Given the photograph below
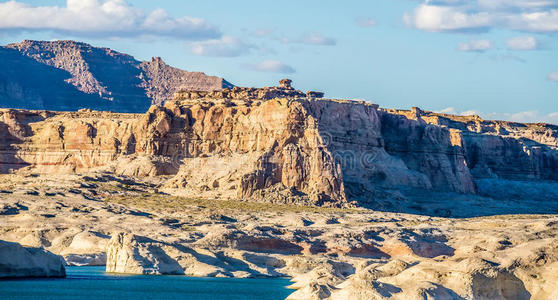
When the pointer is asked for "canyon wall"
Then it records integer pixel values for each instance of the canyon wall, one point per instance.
(500, 149)
(299, 150)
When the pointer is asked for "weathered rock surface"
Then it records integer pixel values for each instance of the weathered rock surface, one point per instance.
(245, 143)
(329, 253)
(139, 255)
(18, 261)
(68, 75)
(86, 248)
(500, 149)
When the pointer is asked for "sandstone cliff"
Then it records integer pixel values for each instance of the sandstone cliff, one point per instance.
(248, 144)
(68, 75)
(498, 148)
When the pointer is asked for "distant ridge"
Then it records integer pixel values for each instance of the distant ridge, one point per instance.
(70, 75)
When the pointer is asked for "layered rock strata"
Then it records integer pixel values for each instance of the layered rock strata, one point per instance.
(239, 144)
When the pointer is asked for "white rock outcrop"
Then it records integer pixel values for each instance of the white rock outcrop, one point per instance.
(128, 253)
(19, 261)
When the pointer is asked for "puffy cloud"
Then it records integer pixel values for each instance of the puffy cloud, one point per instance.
(476, 46)
(446, 18)
(366, 22)
(546, 21)
(226, 46)
(553, 76)
(312, 39)
(534, 116)
(481, 15)
(522, 43)
(271, 66)
(110, 18)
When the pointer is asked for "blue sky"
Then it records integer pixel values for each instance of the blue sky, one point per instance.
(497, 58)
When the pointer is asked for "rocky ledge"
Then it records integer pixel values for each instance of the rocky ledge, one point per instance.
(19, 261)
(284, 90)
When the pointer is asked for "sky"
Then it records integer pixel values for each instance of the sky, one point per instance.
(495, 58)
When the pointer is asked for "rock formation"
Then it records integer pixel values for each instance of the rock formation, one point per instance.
(139, 255)
(204, 184)
(499, 149)
(68, 75)
(276, 144)
(244, 93)
(18, 261)
(328, 253)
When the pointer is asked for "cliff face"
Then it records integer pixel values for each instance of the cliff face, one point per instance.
(296, 150)
(499, 149)
(68, 75)
(434, 151)
(63, 142)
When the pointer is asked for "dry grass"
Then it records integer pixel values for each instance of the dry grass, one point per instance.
(160, 202)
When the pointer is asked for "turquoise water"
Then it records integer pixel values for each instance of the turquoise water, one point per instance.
(94, 283)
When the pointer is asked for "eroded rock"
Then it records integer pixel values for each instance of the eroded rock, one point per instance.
(18, 261)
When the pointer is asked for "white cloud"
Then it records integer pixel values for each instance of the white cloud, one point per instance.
(108, 18)
(522, 43)
(446, 18)
(482, 15)
(271, 66)
(226, 46)
(534, 116)
(545, 21)
(553, 76)
(476, 46)
(366, 22)
(312, 39)
(525, 5)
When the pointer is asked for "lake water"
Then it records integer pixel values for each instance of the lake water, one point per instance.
(94, 283)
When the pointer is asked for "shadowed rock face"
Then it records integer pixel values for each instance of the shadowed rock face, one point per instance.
(18, 261)
(26, 83)
(499, 149)
(68, 75)
(284, 150)
(141, 255)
